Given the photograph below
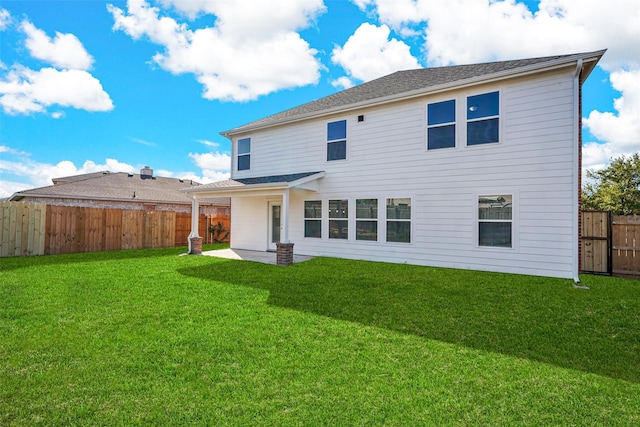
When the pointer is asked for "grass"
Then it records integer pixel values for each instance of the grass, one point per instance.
(153, 338)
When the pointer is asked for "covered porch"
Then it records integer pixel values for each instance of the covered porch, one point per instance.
(261, 204)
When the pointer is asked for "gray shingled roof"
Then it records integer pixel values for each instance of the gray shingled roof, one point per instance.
(402, 83)
(120, 187)
(241, 182)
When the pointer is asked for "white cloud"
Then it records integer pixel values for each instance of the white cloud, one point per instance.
(343, 82)
(208, 143)
(460, 31)
(252, 19)
(214, 166)
(143, 142)
(9, 150)
(252, 50)
(62, 51)
(25, 91)
(620, 130)
(5, 19)
(66, 84)
(369, 53)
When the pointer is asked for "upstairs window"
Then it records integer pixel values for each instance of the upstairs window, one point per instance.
(338, 219)
(483, 118)
(244, 154)
(399, 220)
(367, 219)
(495, 218)
(313, 218)
(441, 125)
(337, 140)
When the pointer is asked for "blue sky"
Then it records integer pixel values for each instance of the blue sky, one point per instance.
(91, 85)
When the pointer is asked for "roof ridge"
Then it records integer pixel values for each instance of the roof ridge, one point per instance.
(401, 82)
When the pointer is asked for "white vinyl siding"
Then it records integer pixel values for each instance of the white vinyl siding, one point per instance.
(387, 158)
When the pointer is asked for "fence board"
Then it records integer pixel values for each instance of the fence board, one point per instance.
(20, 225)
(132, 222)
(183, 228)
(595, 242)
(626, 245)
(4, 222)
(113, 230)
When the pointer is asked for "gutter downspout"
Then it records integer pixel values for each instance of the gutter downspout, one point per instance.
(576, 171)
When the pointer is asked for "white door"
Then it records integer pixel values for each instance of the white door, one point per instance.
(275, 224)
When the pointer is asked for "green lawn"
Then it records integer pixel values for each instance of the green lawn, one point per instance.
(153, 338)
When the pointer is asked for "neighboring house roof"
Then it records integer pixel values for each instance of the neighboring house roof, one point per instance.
(411, 83)
(119, 186)
(273, 182)
(73, 178)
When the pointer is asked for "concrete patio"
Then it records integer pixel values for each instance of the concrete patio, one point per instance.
(257, 256)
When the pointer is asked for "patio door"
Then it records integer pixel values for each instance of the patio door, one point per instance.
(275, 224)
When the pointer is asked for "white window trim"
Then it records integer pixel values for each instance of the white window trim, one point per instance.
(356, 219)
(321, 219)
(461, 121)
(349, 219)
(411, 220)
(500, 117)
(456, 100)
(515, 211)
(328, 141)
(237, 152)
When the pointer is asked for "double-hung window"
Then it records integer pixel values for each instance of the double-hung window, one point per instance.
(337, 140)
(313, 218)
(441, 125)
(244, 154)
(399, 220)
(339, 219)
(367, 219)
(483, 118)
(495, 221)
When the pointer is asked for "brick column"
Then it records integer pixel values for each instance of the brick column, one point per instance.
(196, 246)
(284, 253)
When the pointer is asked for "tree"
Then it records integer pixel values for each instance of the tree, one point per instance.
(615, 188)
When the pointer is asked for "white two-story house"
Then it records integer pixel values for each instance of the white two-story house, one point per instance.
(471, 166)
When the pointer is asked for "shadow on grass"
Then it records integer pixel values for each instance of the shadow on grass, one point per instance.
(540, 319)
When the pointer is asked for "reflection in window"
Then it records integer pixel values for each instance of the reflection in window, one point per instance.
(244, 154)
(495, 217)
(313, 218)
(483, 118)
(338, 219)
(337, 140)
(399, 220)
(367, 219)
(441, 123)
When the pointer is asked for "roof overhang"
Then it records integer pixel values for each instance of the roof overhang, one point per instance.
(255, 188)
(589, 61)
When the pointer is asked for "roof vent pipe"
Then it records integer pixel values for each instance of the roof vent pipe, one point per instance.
(146, 173)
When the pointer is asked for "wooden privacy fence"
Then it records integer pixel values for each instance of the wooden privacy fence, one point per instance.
(625, 253)
(610, 243)
(23, 229)
(38, 229)
(596, 242)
